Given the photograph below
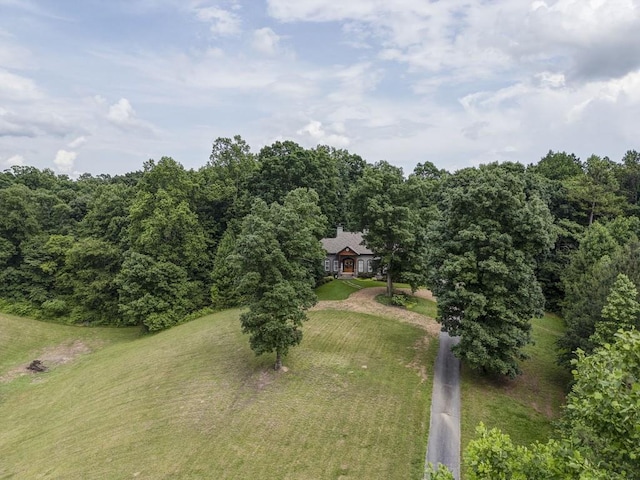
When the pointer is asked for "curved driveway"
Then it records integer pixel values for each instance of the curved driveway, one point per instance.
(444, 429)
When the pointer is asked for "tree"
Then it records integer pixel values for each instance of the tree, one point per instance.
(558, 166)
(387, 208)
(224, 281)
(598, 435)
(482, 263)
(620, 312)
(278, 254)
(153, 294)
(605, 251)
(595, 190)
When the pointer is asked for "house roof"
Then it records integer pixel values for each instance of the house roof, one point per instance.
(353, 240)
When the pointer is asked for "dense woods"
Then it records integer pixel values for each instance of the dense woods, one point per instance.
(155, 246)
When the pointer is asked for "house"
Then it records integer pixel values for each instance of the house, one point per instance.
(347, 256)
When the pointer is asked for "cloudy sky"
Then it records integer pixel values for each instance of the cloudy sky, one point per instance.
(101, 86)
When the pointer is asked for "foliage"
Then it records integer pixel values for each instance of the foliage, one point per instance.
(277, 258)
(598, 437)
(440, 473)
(482, 263)
(621, 311)
(224, 279)
(152, 293)
(388, 209)
(605, 251)
(603, 409)
(595, 191)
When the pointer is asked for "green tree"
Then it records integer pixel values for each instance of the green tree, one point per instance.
(89, 273)
(558, 166)
(621, 311)
(595, 190)
(153, 294)
(629, 178)
(278, 253)
(224, 278)
(482, 263)
(598, 436)
(387, 208)
(605, 251)
(285, 166)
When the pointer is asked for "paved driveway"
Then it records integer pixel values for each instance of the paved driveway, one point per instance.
(444, 429)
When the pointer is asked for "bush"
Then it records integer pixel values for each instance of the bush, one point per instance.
(399, 300)
(323, 280)
(54, 308)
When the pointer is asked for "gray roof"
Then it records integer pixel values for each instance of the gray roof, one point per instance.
(353, 240)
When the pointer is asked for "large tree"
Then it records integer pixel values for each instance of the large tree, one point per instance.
(492, 226)
(390, 211)
(278, 255)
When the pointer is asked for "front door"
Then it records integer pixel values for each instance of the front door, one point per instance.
(347, 266)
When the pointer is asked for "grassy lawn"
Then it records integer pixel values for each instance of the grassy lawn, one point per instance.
(525, 407)
(341, 289)
(419, 305)
(23, 340)
(194, 402)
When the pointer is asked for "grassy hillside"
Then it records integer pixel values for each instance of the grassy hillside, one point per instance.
(194, 402)
(526, 406)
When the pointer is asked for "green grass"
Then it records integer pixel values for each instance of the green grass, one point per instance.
(23, 340)
(525, 407)
(423, 306)
(194, 402)
(341, 289)
(419, 305)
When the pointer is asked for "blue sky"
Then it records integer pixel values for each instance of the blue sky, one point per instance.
(100, 87)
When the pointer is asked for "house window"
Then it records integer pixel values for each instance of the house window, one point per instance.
(369, 266)
(360, 266)
(327, 265)
(335, 265)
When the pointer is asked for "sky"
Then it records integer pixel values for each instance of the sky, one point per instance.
(102, 86)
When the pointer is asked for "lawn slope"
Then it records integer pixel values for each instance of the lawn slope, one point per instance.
(194, 402)
(526, 406)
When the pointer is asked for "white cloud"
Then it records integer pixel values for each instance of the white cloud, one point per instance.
(222, 22)
(265, 41)
(122, 115)
(65, 161)
(315, 131)
(15, 87)
(121, 112)
(78, 142)
(17, 160)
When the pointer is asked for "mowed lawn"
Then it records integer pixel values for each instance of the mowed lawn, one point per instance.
(194, 402)
(525, 407)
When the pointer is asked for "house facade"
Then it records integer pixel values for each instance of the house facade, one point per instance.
(347, 255)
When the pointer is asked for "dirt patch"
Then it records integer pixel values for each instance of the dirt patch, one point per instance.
(49, 358)
(417, 364)
(364, 301)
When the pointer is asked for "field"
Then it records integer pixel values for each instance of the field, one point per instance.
(194, 402)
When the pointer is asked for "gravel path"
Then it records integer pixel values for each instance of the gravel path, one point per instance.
(364, 301)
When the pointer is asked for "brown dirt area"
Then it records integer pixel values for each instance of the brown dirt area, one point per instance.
(50, 357)
(364, 301)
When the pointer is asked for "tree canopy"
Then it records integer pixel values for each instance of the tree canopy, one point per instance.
(277, 258)
(482, 263)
